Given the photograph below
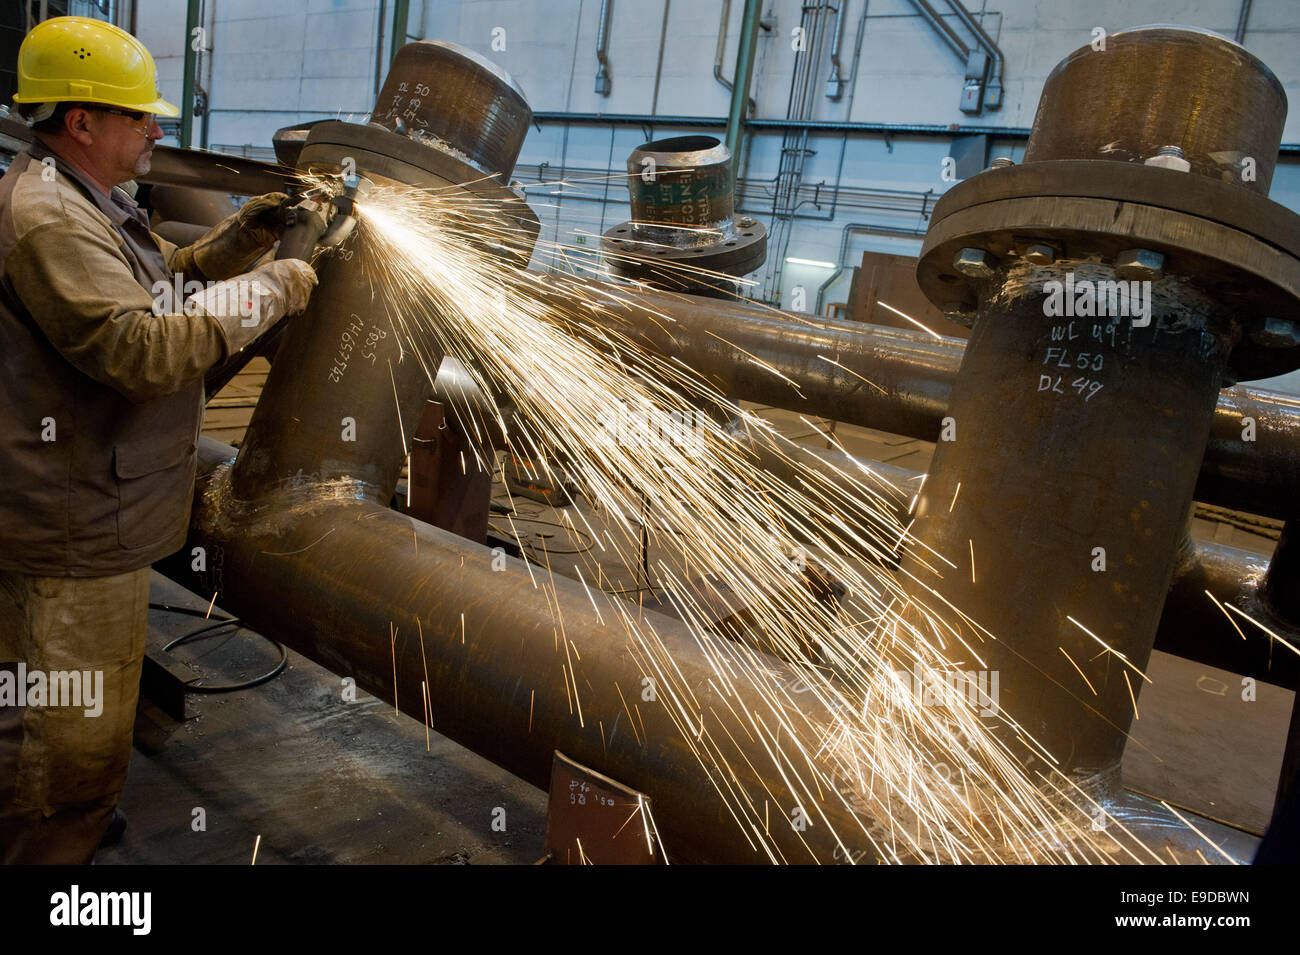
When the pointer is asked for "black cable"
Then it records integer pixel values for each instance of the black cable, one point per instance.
(220, 624)
(187, 610)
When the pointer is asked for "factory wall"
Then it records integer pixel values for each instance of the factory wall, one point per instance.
(277, 63)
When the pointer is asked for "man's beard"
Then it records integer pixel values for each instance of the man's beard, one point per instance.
(144, 162)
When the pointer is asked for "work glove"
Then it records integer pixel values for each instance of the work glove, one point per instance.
(236, 242)
(249, 305)
(262, 217)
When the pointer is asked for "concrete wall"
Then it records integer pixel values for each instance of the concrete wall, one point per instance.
(276, 63)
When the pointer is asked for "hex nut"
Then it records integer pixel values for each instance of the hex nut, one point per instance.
(1139, 264)
(975, 263)
(1169, 157)
(1277, 333)
(1040, 254)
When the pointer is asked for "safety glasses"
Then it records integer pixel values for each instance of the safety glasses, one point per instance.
(142, 130)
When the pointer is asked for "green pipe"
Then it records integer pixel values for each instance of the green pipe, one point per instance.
(187, 80)
(740, 85)
(401, 14)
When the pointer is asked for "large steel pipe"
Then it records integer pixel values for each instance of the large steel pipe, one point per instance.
(413, 613)
(515, 664)
(1047, 473)
(1154, 87)
(901, 381)
(344, 395)
(1065, 559)
(684, 227)
(1190, 625)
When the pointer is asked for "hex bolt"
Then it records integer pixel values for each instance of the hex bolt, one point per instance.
(746, 221)
(1040, 254)
(975, 263)
(1139, 264)
(1277, 333)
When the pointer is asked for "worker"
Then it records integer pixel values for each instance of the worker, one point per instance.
(101, 400)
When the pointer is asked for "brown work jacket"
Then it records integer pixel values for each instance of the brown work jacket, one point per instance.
(101, 399)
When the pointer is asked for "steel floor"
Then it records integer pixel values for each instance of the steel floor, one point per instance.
(320, 780)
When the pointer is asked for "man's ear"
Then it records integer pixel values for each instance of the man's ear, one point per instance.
(77, 126)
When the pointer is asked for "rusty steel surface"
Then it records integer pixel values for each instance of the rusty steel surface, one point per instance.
(1164, 86)
(449, 478)
(679, 189)
(455, 99)
(594, 820)
(1192, 627)
(1190, 624)
(1107, 432)
(729, 343)
(1252, 462)
(412, 612)
(1106, 411)
(322, 413)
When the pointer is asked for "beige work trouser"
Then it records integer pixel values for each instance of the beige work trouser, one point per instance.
(62, 770)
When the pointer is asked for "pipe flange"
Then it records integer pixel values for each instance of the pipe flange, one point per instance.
(634, 257)
(1240, 248)
(382, 152)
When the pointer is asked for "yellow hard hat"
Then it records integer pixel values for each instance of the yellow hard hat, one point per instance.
(78, 59)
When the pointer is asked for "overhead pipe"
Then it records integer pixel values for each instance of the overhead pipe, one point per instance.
(946, 33)
(746, 48)
(603, 84)
(401, 21)
(379, 44)
(835, 82)
(720, 53)
(1243, 16)
(841, 265)
(934, 130)
(184, 136)
(659, 61)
